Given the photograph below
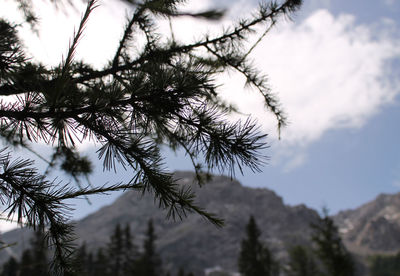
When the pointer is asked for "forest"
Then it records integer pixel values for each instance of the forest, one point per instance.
(325, 256)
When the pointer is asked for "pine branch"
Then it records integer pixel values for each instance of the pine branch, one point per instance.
(164, 94)
(77, 36)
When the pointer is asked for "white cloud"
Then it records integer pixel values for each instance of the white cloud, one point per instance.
(328, 72)
(5, 224)
(294, 162)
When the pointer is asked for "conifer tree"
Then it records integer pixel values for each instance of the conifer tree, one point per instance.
(161, 92)
(149, 263)
(39, 249)
(337, 261)
(26, 264)
(181, 272)
(130, 253)
(255, 258)
(10, 268)
(34, 260)
(101, 266)
(90, 265)
(302, 262)
(82, 263)
(116, 251)
(381, 265)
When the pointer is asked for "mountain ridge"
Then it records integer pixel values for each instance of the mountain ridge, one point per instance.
(196, 245)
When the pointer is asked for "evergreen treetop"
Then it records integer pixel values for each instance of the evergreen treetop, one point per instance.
(301, 262)
(255, 259)
(336, 260)
(162, 93)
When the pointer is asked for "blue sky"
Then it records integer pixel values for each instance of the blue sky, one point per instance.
(344, 164)
(336, 70)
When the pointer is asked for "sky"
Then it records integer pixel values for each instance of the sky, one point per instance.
(335, 68)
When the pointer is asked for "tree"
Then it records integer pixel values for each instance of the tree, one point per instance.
(121, 251)
(385, 265)
(34, 260)
(330, 249)
(83, 261)
(181, 272)
(115, 251)
(149, 263)
(10, 268)
(255, 259)
(130, 253)
(301, 262)
(101, 264)
(26, 265)
(162, 93)
(39, 249)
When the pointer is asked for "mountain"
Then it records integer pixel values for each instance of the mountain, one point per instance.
(373, 227)
(194, 243)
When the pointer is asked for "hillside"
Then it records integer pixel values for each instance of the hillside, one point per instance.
(373, 227)
(194, 243)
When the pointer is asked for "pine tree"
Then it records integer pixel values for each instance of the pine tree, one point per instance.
(116, 251)
(385, 265)
(130, 253)
(101, 264)
(39, 249)
(255, 258)
(162, 93)
(149, 263)
(81, 262)
(302, 262)
(337, 261)
(10, 268)
(34, 261)
(181, 272)
(90, 265)
(26, 264)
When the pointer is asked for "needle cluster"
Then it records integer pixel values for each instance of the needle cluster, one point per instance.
(160, 93)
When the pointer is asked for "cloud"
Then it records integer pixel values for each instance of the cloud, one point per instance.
(328, 72)
(5, 224)
(390, 2)
(294, 162)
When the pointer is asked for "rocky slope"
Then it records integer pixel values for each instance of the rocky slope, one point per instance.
(373, 227)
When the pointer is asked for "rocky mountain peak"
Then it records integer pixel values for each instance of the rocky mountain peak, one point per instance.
(373, 227)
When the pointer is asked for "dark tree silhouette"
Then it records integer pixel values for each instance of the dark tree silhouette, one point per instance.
(26, 265)
(255, 259)
(302, 262)
(83, 261)
(149, 263)
(162, 93)
(101, 264)
(337, 261)
(116, 251)
(122, 252)
(10, 268)
(382, 265)
(130, 252)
